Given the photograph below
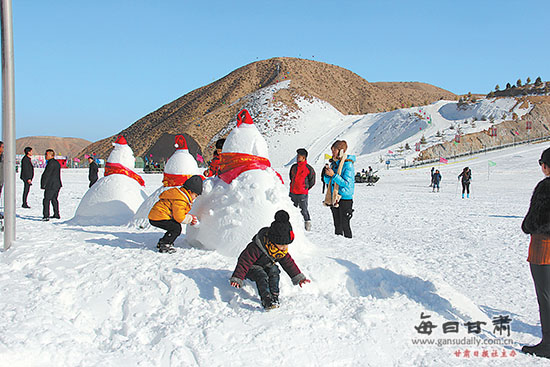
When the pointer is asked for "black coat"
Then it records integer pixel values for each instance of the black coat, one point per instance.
(51, 178)
(537, 220)
(27, 170)
(92, 174)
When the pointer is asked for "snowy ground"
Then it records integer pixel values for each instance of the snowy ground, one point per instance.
(90, 296)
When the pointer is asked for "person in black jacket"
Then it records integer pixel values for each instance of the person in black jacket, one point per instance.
(93, 170)
(537, 224)
(466, 178)
(51, 184)
(27, 174)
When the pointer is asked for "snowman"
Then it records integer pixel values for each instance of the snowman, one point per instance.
(114, 198)
(244, 196)
(178, 169)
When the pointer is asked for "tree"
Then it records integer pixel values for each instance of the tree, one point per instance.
(469, 95)
(423, 140)
(474, 99)
(518, 83)
(497, 87)
(407, 146)
(538, 82)
(491, 94)
(508, 86)
(528, 80)
(438, 134)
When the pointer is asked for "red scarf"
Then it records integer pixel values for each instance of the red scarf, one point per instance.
(170, 180)
(233, 164)
(119, 169)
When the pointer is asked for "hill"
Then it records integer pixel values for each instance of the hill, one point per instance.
(205, 112)
(62, 146)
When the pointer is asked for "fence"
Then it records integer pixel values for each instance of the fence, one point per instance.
(472, 152)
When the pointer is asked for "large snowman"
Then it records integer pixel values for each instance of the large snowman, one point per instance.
(244, 196)
(178, 169)
(114, 198)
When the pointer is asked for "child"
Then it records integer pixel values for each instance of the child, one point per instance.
(258, 261)
(172, 209)
(436, 180)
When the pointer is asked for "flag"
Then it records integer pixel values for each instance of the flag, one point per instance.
(492, 164)
(443, 160)
(455, 143)
(328, 156)
(390, 152)
(200, 158)
(76, 160)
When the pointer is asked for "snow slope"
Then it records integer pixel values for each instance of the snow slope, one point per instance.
(89, 296)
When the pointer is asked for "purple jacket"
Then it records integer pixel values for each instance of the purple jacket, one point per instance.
(256, 255)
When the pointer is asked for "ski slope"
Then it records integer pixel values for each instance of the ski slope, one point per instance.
(89, 296)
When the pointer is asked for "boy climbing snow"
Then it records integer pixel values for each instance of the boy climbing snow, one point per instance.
(258, 261)
(172, 209)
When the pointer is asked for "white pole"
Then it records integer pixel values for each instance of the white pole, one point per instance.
(8, 123)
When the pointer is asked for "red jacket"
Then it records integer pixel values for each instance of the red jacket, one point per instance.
(302, 178)
(214, 167)
(256, 255)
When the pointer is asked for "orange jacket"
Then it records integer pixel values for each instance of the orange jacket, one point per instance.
(173, 203)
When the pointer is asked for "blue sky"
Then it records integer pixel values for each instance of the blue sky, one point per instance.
(92, 68)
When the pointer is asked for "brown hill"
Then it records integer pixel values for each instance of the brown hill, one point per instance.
(62, 146)
(203, 112)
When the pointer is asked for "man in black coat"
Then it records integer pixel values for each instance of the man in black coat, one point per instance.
(27, 174)
(51, 184)
(94, 169)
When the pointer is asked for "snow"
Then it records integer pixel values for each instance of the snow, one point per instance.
(113, 199)
(87, 296)
(246, 139)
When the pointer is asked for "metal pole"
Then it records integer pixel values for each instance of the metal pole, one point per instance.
(8, 123)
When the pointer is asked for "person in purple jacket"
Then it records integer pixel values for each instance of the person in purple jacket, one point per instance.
(258, 261)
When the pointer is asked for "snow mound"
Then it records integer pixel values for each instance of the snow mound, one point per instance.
(231, 214)
(141, 218)
(112, 200)
(246, 139)
(181, 162)
(499, 109)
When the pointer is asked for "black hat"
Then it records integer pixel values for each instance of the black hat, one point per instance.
(194, 184)
(219, 143)
(280, 231)
(302, 152)
(545, 157)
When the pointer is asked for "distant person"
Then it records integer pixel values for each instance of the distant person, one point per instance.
(93, 170)
(432, 177)
(537, 224)
(436, 180)
(1, 166)
(466, 178)
(302, 179)
(27, 174)
(172, 210)
(340, 178)
(214, 166)
(50, 182)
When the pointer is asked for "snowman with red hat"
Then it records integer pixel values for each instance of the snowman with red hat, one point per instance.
(243, 197)
(180, 166)
(114, 198)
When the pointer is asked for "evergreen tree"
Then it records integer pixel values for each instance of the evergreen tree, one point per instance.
(538, 82)
(407, 146)
(423, 140)
(518, 83)
(508, 86)
(528, 80)
(497, 87)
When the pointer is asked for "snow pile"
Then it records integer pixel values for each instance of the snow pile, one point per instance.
(179, 167)
(485, 109)
(113, 199)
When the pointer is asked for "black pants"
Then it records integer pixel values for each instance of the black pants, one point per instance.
(342, 216)
(50, 196)
(267, 279)
(26, 188)
(92, 182)
(300, 201)
(541, 278)
(172, 228)
(466, 188)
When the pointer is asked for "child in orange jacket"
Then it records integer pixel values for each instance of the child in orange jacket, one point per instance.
(172, 209)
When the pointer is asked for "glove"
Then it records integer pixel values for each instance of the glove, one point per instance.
(304, 281)
(235, 284)
(195, 220)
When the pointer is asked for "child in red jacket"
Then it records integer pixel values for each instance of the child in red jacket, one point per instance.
(258, 261)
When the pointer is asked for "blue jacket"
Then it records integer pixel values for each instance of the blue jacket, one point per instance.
(346, 181)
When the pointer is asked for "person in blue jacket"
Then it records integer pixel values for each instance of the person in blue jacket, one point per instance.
(341, 201)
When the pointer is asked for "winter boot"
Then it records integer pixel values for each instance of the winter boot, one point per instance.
(275, 299)
(468, 196)
(308, 225)
(267, 302)
(166, 248)
(541, 349)
(463, 196)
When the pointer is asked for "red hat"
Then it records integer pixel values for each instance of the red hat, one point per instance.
(120, 140)
(180, 142)
(244, 117)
